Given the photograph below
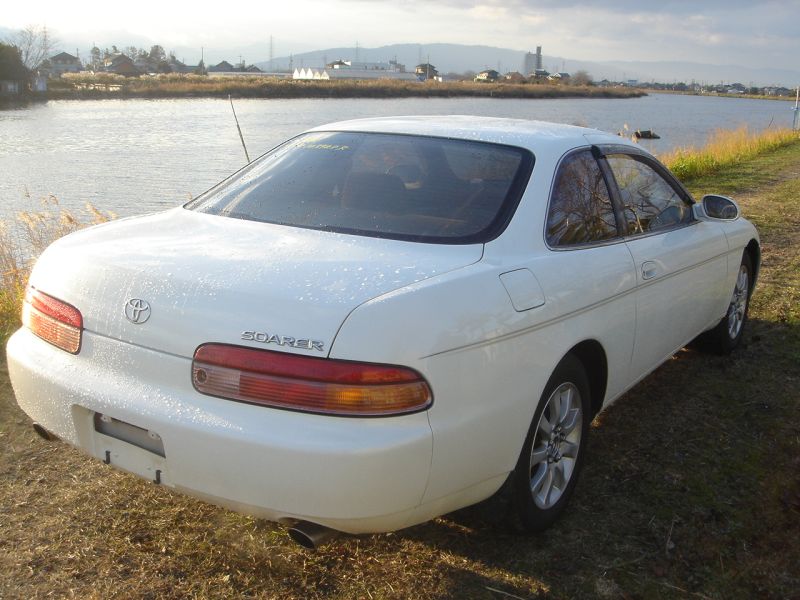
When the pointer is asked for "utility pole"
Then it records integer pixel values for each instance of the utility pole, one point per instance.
(271, 49)
(796, 109)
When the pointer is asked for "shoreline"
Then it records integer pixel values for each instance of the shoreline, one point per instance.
(96, 88)
(736, 96)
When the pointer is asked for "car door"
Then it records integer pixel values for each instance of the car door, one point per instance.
(590, 274)
(680, 262)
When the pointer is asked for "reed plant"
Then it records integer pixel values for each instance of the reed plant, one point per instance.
(24, 239)
(82, 85)
(725, 148)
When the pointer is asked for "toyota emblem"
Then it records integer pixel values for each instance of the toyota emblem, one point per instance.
(137, 311)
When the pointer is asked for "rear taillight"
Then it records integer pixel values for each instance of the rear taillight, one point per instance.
(319, 385)
(54, 321)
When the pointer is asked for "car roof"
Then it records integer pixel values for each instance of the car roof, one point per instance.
(537, 136)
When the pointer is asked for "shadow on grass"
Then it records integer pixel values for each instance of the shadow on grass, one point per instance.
(690, 486)
(676, 471)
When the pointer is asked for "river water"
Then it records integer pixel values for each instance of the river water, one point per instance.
(137, 156)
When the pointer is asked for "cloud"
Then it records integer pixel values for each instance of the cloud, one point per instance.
(754, 34)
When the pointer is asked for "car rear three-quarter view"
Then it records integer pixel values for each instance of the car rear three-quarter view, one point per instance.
(380, 321)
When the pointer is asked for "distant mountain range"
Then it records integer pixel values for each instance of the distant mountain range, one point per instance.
(460, 58)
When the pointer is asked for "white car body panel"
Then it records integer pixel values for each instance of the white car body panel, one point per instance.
(254, 276)
(484, 324)
(217, 449)
(688, 268)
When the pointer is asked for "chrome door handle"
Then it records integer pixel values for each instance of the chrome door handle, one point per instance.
(649, 269)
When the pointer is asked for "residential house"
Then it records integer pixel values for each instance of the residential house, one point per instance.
(223, 67)
(120, 64)
(426, 71)
(226, 69)
(557, 77)
(64, 62)
(487, 76)
(515, 77)
(145, 64)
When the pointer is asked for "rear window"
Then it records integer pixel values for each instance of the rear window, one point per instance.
(395, 186)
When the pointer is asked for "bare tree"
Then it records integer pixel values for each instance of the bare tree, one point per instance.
(35, 45)
(581, 78)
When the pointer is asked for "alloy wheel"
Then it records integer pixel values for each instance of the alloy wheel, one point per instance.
(556, 445)
(738, 305)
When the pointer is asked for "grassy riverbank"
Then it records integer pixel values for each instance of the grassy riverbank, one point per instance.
(790, 98)
(691, 488)
(79, 86)
(726, 148)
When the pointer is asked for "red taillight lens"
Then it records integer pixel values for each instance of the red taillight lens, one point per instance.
(319, 385)
(54, 321)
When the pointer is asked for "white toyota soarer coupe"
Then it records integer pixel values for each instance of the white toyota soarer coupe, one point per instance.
(381, 320)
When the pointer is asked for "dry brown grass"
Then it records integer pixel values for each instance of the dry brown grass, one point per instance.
(23, 239)
(691, 489)
(163, 86)
(725, 148)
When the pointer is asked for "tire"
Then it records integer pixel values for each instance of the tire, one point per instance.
(551, 457)
(727, 334)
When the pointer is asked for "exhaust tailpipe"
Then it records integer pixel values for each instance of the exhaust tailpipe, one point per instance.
(311, 535)
(44, 434)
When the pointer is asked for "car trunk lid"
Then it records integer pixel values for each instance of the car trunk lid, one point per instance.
(191, 278)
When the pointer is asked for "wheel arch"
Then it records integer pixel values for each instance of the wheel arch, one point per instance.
(753, 249)
(593, 358)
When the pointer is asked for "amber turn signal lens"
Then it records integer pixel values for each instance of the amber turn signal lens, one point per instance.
(319, 385)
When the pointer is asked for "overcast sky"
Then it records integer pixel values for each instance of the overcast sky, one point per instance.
(748, 33)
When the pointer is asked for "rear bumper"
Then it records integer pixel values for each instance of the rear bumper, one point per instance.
(354, 475)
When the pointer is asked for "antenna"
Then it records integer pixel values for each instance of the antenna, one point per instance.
(356, 51)
(241, 137)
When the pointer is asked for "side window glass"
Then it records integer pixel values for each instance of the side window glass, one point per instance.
(580, 207)
(649, 202)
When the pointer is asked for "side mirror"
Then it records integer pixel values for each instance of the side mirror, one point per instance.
(717, 207)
